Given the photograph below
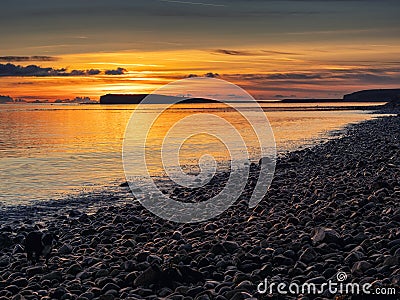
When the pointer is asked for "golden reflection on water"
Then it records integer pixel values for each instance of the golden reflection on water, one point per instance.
(198, 139)
(51, 149)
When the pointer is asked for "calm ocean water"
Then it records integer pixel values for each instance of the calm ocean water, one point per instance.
(50, 150)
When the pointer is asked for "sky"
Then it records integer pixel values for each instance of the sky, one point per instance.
(52, 49)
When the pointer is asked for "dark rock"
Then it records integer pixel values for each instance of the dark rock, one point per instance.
(74, 269)
(88, 231)
(177, 235)
(283, 260)
(191, 275)
(18, 249)
(55, 275)
(4, 261)
(308, 255)
(107, 297)
(353, 257)
(65, 249)
(59, 292)
(148, 276)
(325, 235)
(391, 261)
(5, 240)
(21, 282)
(110, 286)
(130, 278)
(231, 246)
(317, 280)
(83, 275)
(246, 285)
(164, 292)
(73, 213)
(218, 249)
(86, 295)
(194, 291)
(202, 297)
(101, 273)
(34, 271)
(117, 220)
(13, 289)
(360, 267)
(239, 295)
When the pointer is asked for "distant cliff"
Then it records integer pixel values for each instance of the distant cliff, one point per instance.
(137, 98)
(373, 95)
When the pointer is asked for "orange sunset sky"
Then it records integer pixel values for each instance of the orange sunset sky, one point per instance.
(273, 49)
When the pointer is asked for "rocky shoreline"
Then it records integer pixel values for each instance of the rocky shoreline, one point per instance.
(331, 208)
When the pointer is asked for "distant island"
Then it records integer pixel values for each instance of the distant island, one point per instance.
(372, 95)
(6, 99)
(375, 95)
(155, 99)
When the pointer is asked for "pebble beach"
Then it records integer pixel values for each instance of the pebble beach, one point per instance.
(331, 208)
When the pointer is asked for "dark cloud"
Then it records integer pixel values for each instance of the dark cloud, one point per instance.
(251, 52)
(193, 3)
(285, 96)
(368, 75)
(279, 76)
(27, 58)
(93, 72)
(234, 52)
(25, 83)
(31, 70)
(288, 85)
(279, 52)
(209, 75)
(118, 71)
(292, 76)
(84, 72)
(10, 70)
(77, 73)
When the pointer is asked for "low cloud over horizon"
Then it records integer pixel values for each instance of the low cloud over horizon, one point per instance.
(11, 70)
(251, 52)
(118, 71)
(27, 58)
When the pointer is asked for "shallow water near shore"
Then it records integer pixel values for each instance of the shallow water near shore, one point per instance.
(49, 151)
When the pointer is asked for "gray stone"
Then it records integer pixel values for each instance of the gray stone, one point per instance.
(308, 255)
(65, 249)
(110, 286)
(74, 269)
(149, 276)
(325, 235)
(55, 275)
(360, 267)
(34, 271)
(391, 261)
(4, 261)
(231, 246)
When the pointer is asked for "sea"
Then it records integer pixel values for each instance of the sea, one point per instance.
(51, 151)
